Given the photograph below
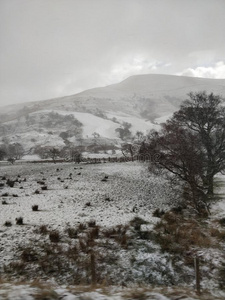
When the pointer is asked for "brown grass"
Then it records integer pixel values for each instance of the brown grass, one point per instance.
(46, 294)
(178, 235)
(219, 234)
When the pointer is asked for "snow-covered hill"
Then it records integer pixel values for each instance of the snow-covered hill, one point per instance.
(142, 100)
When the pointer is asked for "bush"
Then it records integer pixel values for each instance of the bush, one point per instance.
(43, 229)
(54, 236)
(29, 255)
(72, 232)
(35, 207)
(19, 221)
(5, 195)
(177, 235)
(8, 223)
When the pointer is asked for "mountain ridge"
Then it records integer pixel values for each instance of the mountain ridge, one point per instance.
(128, 79)
(140, 100)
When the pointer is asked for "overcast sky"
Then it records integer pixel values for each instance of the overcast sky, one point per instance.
(52, 48)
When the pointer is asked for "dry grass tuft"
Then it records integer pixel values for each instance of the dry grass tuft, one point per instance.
(54, 236)
(46, 294)
(72, 232)
(43, 229)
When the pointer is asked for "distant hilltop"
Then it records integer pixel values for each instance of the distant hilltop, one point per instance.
(143, 101)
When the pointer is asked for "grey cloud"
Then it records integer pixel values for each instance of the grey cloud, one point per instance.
(51, 48)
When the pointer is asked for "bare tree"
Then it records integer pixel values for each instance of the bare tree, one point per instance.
(191, 144)
(204, 115)
(181, 154)
(53, 153)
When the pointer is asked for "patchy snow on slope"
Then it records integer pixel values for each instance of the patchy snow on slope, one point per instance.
(92, 123)
(138, 124)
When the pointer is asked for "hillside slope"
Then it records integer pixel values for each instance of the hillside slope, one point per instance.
(141, 100)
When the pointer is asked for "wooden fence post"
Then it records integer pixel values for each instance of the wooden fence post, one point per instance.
(197, 274)
(93, 268)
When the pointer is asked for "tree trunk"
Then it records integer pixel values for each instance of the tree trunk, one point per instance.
(210, 185)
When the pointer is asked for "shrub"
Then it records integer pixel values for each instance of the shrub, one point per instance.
(177, 235)
(35, 207)
(29, 255)
(8, 223)
(92, 223)
(82, 226)
(54, 236)
(4, 202)
(43, 229)
(10, 183)
(5, 195)
(19, 221)
(107, 199)
(15, 266)
(72, 232)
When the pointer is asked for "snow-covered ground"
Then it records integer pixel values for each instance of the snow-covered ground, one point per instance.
(50, 291)
(129, 184)
(75, 195)
(129, 191)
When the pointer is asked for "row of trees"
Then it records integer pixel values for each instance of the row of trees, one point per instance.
(70, 153)
(191, 145)
(11, 152)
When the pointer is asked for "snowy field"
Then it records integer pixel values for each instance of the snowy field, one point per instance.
(69, 196)
(128, 190)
